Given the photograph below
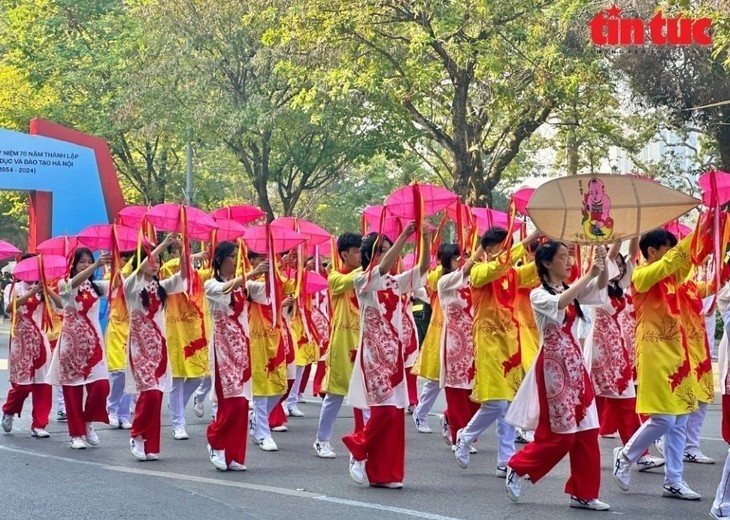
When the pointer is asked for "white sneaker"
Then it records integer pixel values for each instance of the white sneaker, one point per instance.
(621, 469)
(421, 425)
(294, 411)
(513, 484)
(179, 433)
(280, 429)
(445, 430)
(593, 505)
(153, 456)
(124, 424)
(324, 449)
(91, 437)
(136, 445)
(680, 490)
(39, 433)
(647, 462)
(697, 457)
(77, 443)
(268, 444)
(473, 449)
(411, 408)
(717, 514)
(462, 450)
(357, 470)
(114, 421)
(198, 408)
(235, 466)
(524, 436)
(300, 398)
(388, 485)
(7, 423)
(218, 458)
(501, 472)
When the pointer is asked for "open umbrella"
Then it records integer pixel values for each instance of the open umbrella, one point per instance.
(63, 245)
(132, 216)
(596, 209)
(40, 267)
(678, 229)
(282, 239)
(8, 250)
(178, 218)
(404, 202)
(521, 198)
(242, 214)
(109, 237)
(314, 233)
(316, 282)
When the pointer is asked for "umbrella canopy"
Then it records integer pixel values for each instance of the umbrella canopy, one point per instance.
(242, 214)
(8, 250)
(521, 198)
(283, 240)
(29, 270)
(132, 216)
(715, 183)
(178, 218)
(226, 230)
(595, 209)
(63, 245)
(107, 236)
(314, 233)
(404, 201)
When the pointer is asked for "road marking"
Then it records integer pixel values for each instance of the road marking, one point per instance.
(240, 485)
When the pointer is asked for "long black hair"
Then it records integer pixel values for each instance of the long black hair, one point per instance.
(222, 251)
(545, 253)
(446, 254)
(78, 255)
(144, 295)
(368, 248)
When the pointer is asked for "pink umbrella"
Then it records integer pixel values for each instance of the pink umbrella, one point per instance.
(8, 250)
(715, 183)
(242, 214)
(227, 230)
(172, 217)
(106, 236)
(404, 201)
(314, 233)
(521, 197)
(316, 282)
(487, 218)
(392, 226)
(132, 216)
(63, 245)
(678, 229)
(283, 239)
(29, 270)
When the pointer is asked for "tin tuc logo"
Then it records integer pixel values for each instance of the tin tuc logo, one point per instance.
(608, 27)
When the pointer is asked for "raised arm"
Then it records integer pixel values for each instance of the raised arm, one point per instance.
(425, 256)
(389, 258)
(55, 298)
(466, 271)
(20, 300)
(169, 239)
(84, 275)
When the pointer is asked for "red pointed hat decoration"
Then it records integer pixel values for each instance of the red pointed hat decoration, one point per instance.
(242, 214)
(8, 250)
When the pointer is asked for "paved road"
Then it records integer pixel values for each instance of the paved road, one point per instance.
(46, 479)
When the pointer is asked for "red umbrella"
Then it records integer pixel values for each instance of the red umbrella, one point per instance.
(132, 216)
(8, 250)
(110, 237)
(314, 233)
(178, 218)
(63, 245)
(29, 270)
(242, 214)
(283, 239)
(521, 197)
(404, 202)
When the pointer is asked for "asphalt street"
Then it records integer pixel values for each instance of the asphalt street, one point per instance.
(44, 478)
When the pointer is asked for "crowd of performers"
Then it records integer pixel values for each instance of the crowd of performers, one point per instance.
(519, 337)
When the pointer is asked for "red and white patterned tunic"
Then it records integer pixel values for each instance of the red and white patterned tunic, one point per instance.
(378, 377)
(30, 352)
(79, 357)
(230, 342)
(149, 362)
(457, 337)
(567, 386)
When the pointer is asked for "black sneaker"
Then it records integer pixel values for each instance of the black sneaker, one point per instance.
(61, 417)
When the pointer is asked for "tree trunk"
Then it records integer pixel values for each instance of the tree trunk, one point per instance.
(571, 152)
(722, 136)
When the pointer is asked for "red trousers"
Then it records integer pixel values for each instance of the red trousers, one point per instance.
(382, 443)
(621, 414)
(277, 417)
(228, 431)
(147, 422)
(318, 378)
(539, 457)
(359, 420)
(411, 383)
(460, 409)
(80, 413)
(42, 398)
(726, 418)
(305, 379)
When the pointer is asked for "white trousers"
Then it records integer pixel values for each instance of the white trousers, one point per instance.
(259, 418)
(429, 394)
(674, 430)
(182, 390)
(488, 413)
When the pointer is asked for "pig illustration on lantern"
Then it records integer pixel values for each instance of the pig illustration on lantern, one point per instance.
(597, 221)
